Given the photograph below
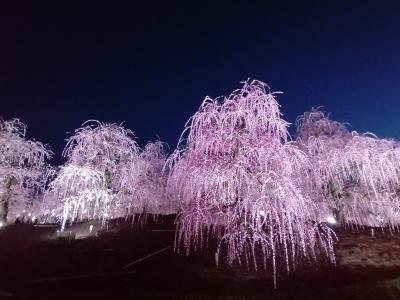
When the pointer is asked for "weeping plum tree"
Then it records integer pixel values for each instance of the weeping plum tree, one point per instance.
(106, 175)
(102, 164)
(357, 175)
(315, 134)
(23, 168)
(239, 180)
(148, 195)
(154, 180)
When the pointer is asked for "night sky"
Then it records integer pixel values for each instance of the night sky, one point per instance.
(152, 65)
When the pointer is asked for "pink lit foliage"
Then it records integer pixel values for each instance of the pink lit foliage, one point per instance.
(154, 181)
(238, 179)
(105, 175)
(355, 175)
(23, 169)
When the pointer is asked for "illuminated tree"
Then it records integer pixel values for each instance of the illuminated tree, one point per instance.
(108, 176)
(84, 194)
(23, 168)
(357, 175)
(239, 180)
(148, 195)
(103, 166)
(154, 183)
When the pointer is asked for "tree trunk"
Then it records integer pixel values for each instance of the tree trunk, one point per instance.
(339, 212)
(339, 206)
(5, 199)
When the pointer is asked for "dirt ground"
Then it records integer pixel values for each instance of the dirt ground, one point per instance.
(36, 263)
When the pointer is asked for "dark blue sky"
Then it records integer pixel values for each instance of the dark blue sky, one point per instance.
(151, 65)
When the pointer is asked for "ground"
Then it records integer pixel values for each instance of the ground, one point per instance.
(36, 263)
